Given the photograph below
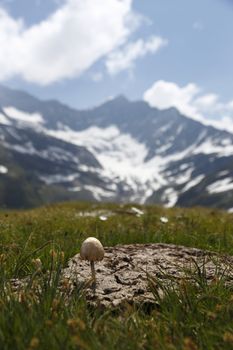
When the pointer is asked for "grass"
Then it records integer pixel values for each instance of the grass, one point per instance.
(189, 317)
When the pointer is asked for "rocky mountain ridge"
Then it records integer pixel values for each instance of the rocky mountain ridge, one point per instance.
(119, 151)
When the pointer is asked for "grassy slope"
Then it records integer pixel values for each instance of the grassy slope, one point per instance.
(192, 317)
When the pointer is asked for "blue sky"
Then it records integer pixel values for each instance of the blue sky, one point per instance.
(82, 52)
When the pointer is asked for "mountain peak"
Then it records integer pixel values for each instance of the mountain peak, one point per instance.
(119, 99)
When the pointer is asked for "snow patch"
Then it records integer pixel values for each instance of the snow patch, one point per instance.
(75, 189)
(223, 173)
(122, 159)
(164, 148)
(184, 166)
(3, 169)
(170, 197)
(116, 151)
(16, 114)
(98, 192)
(4, 120)
(193, 183)
(221, 186)
(209, 147)
(54, 179)
(184, 177)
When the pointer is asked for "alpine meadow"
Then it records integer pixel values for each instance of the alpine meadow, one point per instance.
(116, 175)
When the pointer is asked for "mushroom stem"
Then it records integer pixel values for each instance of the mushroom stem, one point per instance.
(92, 270)
(93, 275)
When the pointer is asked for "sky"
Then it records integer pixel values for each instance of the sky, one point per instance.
(83, 52)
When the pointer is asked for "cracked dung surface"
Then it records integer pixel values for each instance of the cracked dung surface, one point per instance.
(123, 274)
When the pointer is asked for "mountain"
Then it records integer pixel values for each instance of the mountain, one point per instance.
(119, 151)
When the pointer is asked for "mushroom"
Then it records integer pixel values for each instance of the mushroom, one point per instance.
(92, 250)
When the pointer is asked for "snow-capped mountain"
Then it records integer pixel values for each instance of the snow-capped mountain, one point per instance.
(119, 151)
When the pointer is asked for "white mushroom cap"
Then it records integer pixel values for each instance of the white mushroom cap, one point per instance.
(92, 250)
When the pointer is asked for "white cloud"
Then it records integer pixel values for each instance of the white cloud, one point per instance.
(190, 101)
(165, 94)
(124, 58)
(65, 44)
